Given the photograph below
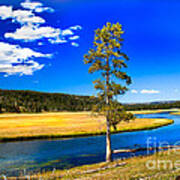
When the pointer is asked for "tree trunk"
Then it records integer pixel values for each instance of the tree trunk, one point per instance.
(108, 132)
(108, 142)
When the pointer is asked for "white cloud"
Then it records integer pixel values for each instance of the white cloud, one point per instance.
(42, 9)
(30, 29)
(134, 91)
(21, 13)
(57, 40)
(74, 37)
(36, 6)
(77, 27)
(22, 69)
(31, 5)
(15, 54)
(67, 32)
(17, 60)
(40, 43)
(31, 33)
(5, 12)
(151, 91)
(75, 44)
(30, 19)
(20, 16)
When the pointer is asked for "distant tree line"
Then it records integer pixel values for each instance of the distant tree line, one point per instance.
(20, 101)
(31, 101)
(150, 106)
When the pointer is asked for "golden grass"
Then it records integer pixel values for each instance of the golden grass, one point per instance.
(48, 125)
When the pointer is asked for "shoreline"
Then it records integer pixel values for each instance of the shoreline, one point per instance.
(146, 111)
(131, 168)
(155, 111)
(175, 113)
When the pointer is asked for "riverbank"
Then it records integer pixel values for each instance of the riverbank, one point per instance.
(16, 127)
(162, 165)
(155, 111)
(175, 113)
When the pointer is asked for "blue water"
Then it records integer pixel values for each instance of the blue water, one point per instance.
(17, 158)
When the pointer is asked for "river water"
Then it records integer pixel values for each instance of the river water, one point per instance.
(19, 158)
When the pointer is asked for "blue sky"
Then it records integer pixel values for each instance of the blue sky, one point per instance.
(42, 44)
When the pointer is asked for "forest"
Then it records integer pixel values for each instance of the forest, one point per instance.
(153, 105)
(22, 101)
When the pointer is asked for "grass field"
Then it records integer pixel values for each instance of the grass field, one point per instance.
(164, 165)
(52, 125)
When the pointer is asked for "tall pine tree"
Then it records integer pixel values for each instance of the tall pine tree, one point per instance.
(107, 58)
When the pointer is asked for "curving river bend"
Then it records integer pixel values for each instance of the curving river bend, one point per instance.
(18, 158)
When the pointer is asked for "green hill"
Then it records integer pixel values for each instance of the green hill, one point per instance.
(32, 101)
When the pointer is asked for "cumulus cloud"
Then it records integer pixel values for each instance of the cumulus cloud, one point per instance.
(75, 44)
(17, 60)
(31, 5)
(30, 29)
(36, 6)
(74, 37)
(77, 27)
(42, 9)
(15, 54)
(20, 16)
(67, 32)
(57, 40)
(5, 12)
(22, 69)
(31, 33)
(26, 19)
(134, 91)
(149, 91)
(40, 43)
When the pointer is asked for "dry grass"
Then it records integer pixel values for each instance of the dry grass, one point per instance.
(31, 126)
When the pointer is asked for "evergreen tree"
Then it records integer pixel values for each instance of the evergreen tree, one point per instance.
(107, 58)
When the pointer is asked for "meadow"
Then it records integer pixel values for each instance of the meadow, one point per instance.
(65, 124)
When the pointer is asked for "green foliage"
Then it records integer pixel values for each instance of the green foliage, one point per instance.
(117, 113)
(151, 106)
(31, 101)
(107, 58)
